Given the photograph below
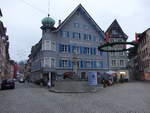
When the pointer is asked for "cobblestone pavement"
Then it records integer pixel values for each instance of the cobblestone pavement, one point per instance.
(121, 98)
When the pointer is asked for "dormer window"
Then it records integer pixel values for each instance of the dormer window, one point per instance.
(114, 32)
(76, 25)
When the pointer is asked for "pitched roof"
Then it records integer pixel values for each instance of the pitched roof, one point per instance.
(141, 35)
(36, 48)
(146, 30)
(86, 13)
(115, 24)
(2, 29)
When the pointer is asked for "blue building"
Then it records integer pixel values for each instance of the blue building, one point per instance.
(70, 47)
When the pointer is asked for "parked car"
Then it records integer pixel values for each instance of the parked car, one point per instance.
(14, 79)
(21, 80)
(7, 84)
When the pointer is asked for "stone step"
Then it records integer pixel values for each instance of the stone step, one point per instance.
(72, 86)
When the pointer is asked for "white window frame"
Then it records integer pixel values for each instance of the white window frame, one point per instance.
(87, 50)
(87, 37)
(65, 34)
(98, 64)
(65, 48)
(77, 35)
(121, 53)
(121, 63)
(88, 64)
(76, 49)
(112, 53)
(53, 64)
(53, 45)
(47, 62)
(65, 62)
(47, 45)
(114, 32)
(114, 63)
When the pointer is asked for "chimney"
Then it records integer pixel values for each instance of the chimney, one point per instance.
(59, 22)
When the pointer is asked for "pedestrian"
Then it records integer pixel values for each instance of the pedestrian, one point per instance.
(121, 79)
(115, 79)
(104, 82)
(49, 84)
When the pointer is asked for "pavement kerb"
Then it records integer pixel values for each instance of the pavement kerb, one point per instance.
(58, 91)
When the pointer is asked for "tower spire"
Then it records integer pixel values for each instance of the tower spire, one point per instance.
(48, 8)
(48, 22)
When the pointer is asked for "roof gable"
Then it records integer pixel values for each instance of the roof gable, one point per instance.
(86, 14)
(115, 24)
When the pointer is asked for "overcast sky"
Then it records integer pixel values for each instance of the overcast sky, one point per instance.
(23, 21)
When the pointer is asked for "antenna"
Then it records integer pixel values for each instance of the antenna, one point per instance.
(48, 7)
